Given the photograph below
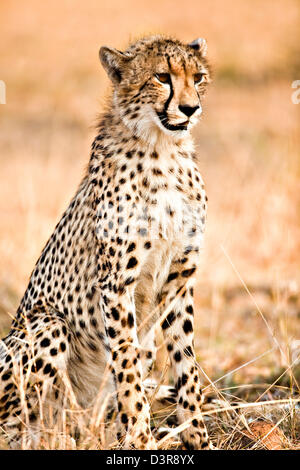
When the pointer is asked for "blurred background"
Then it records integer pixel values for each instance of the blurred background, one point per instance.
(247, 297)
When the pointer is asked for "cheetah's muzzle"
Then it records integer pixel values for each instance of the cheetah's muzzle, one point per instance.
(171, 127)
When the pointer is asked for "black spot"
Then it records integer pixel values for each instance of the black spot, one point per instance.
(139, 406)
(124, 363)
(184, 379)
(130, 378)
(129, 281)
(131, 263)
(47, 369)
(32, 417)
(177, 356)
(131, 247)
(172, 276)
(189, 309)
(130, 320)
(115, 313)
(24, 359)
(188, 326)
(91, 310)
(39, 364)
(188, 272)
(111, 332)
(112, 251)
(188, 351)
(56, 333)
(8, 387)
(45, 342)
(120, 377)
(168, 321)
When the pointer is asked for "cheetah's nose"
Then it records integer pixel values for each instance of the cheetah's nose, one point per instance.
(188, 110)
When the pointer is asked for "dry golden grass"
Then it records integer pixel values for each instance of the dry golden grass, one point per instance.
(248, 295)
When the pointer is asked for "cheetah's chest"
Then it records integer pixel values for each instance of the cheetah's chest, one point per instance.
(172, 204)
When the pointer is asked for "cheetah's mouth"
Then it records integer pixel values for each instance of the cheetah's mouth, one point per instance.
(171, 127)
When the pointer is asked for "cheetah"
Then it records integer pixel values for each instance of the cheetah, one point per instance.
(123, 257)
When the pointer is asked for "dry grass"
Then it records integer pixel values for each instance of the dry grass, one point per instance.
(248, 295)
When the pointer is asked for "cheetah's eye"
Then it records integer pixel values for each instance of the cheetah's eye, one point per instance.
(163, 77)
(198, 78)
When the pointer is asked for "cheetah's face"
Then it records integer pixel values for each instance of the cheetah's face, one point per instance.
(158, 84)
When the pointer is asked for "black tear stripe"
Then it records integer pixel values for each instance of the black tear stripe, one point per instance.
(163, 114)
(171, 90)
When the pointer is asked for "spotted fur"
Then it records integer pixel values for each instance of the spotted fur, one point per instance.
(127, 245)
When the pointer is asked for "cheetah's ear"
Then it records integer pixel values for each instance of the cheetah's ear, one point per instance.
(199, 45)
(114, 62)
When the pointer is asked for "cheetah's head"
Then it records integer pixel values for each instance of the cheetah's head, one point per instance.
(158, 84)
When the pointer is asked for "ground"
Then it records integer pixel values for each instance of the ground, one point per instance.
(248, 291)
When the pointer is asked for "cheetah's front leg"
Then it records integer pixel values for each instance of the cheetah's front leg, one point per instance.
(120, 323)
(178, 330)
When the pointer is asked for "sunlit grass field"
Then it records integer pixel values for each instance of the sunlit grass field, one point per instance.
(248, 292)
